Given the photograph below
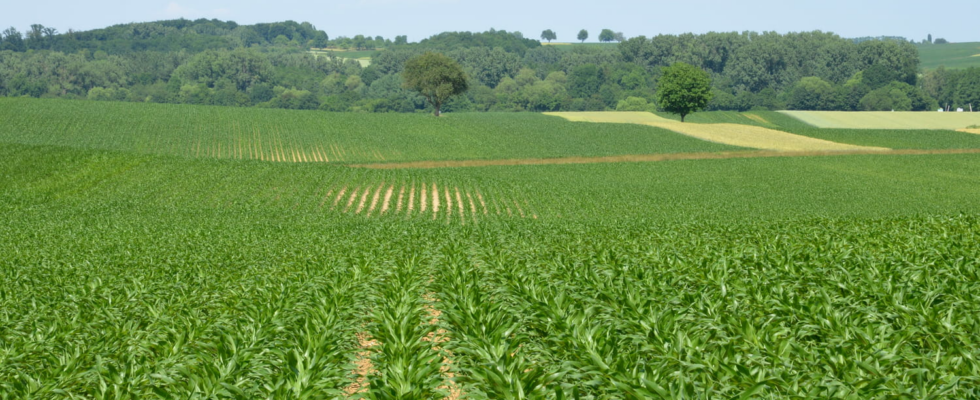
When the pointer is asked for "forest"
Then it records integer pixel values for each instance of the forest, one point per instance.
(213, 62)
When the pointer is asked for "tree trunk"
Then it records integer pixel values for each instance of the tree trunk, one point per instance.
(437, 107)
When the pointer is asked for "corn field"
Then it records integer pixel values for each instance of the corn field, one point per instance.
(127, 275)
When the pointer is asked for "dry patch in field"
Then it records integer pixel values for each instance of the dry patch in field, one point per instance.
(756, 118)
(441, 336)
(731, 134)
(430, 200)
(970, 130)
(887, 119)
(363, 367)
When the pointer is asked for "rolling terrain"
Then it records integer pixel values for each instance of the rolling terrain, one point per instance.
(137, 267)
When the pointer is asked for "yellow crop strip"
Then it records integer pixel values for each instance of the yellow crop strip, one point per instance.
(731, 134)
(887, 119)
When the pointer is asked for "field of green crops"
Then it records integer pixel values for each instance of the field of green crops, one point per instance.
(950, 55)
(298, 136)
(134, 272)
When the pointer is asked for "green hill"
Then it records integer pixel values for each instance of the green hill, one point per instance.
(950, 55)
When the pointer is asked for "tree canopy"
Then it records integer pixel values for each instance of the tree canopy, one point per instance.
(436, 77)
(683, 89)
(548, 35)
(582, 35)
(607, 35)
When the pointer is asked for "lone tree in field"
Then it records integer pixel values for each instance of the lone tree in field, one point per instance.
(683, 89)
(582, 35)
(436, 77)
(607, 35)
(548, 35)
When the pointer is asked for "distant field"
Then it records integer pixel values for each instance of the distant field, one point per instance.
(743, 135)
(316, 136)
(887, 120)
(362, 57)
(952, 55)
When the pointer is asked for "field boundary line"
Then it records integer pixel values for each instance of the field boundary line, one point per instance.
(653, 158)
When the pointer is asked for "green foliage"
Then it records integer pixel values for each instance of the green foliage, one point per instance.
(633, 104)
(683, 89)
(607, 35)
(548, 35)
(582, 35)
(436, 77)
(812, 93)
(123, 278)
(888, 98)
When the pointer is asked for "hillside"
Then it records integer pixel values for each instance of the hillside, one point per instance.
(950, 55)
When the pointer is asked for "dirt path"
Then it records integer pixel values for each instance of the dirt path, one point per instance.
(654, 157)
(363, 365)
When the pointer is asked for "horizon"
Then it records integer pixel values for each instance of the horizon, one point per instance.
(420, 19)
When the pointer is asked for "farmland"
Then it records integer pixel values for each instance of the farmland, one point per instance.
(950, 55)
(277, 135)
(887, 120)
(135, 267)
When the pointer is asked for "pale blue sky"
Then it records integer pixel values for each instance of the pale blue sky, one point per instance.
(955, 21)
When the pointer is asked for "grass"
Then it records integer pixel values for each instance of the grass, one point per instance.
(951, 56)
(285, 135)
(132, 274)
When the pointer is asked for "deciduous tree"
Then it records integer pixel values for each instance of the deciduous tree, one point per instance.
(436, 77)
(683, 89)
(582, 35)
(607, 35)
(548, 35)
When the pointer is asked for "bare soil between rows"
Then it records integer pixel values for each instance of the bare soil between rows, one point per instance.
(654, 158)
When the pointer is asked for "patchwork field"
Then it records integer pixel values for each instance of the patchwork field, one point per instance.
(887, 120)
(135, 267)
(731, 134)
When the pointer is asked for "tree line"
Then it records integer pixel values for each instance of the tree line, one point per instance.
(267, 65)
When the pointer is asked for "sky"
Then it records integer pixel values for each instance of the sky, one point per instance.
(419, 19)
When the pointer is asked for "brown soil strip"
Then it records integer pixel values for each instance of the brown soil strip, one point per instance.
(424, 198)
(387, 201)
(459, 205)
(339, 196)
(449, 203)
(363, 202)
(363, 366)
(350, 201)
(325, 197)
(472, 205)
(435, 200)
(401, 196)
(437, 337)
(519, 209)
(656, 157)
(375, 199)
(479, 195)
